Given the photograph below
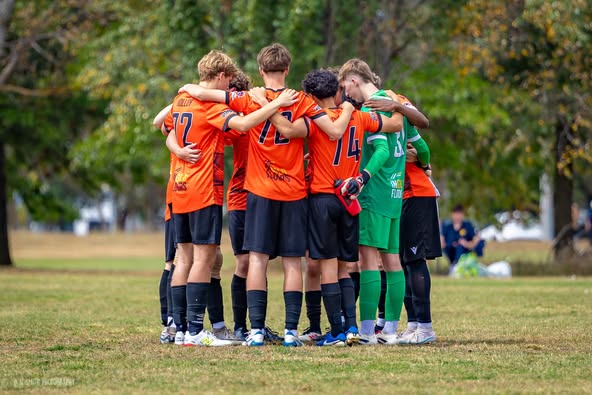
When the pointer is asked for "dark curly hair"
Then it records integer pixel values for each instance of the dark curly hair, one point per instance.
(240, 82)
(321, 84)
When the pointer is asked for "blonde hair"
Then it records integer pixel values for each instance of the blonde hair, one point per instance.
(274, 57)
(361, 69)
(214, 63)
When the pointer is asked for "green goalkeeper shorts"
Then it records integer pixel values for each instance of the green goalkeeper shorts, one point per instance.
(379, 231)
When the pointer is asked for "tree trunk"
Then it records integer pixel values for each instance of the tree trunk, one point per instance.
(4, 245)
(562, 198)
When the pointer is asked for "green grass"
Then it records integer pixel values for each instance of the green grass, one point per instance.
(73, 328)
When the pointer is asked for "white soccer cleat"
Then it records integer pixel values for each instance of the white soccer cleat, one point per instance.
(180, 338)
(255, 339)
(205, 338)
(368, 340)
(387, 339)
(405, 336)
(167, 336)
(291, 339)
(310, 336)
(420, 337)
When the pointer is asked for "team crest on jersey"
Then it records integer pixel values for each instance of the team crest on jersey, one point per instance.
(276, 173)
(318, 108)
(237, 94)
(180, 184)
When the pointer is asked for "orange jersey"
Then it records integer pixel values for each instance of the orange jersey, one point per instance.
(338, 159)
(236, 195)
(417, 183)
(201, 184)
(167, 213)
(169, 189)
(276, 164)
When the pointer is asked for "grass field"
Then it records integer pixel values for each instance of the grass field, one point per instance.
(77, 324)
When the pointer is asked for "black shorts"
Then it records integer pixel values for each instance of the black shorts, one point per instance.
(420, 229)
(169, 241)
(274, 227)
(236, 229)
(332, 232)
(199, 227)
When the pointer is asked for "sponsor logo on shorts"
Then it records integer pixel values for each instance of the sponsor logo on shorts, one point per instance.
(414, 250)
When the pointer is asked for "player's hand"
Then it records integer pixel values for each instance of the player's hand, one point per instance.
(347, 106)
(427, 169)
(258, 96)
(193, 89)
(381, 105)
(411, 155)
(352, 186)
(393, 96)
(287, 97)
(190, 153)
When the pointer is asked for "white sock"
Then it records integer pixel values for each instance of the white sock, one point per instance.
(425, 326)
(380, 321)
(367, 327)
(412, 325)
(390, 327)
(255, 330)
(292, 331)
(218, 325)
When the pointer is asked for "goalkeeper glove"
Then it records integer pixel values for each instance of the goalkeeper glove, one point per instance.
(354, 185)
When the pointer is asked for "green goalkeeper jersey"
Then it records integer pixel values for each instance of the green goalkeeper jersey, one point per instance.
(384, 192)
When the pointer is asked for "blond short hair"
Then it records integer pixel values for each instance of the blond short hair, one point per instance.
(214, 63)
(274, 57)
(361, 69)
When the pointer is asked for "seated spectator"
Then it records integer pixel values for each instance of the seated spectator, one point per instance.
(458, 236)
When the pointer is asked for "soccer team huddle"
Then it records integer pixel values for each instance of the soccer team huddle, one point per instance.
(363, 211)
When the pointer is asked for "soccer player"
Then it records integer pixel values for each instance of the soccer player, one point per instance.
(198, 190)
(381, 200)
(275, 221)
(333, 232)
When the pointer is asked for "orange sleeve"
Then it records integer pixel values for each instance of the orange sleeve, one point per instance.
(219, 115)
(310, 108)
(371, 121)
(241, 102)
(169, 121)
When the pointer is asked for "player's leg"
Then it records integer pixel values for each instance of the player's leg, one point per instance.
(373, 235)
(323, 240)
(238, 286)
(426, 210)
(180, 274)
(353, 268)
(216, 300)
(380, 319)
(348, 240)
(206, 230)
(261, 232)
(292, 240)
(312, 297)
(167, 335)
(408, 303)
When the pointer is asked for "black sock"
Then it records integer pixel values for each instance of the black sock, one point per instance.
(162, 293)
(408, 301)
(355, 276)
(215, 301)
(179, 293)
(257, 302)
(293, 301)
(238, 292)
(382, 294)
(348, 302)
(197, 301)
(313, 309)
(332, 301)
(169, 292)
(421, 284)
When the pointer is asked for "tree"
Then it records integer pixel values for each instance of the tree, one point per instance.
(41, 113)
(538, 49)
